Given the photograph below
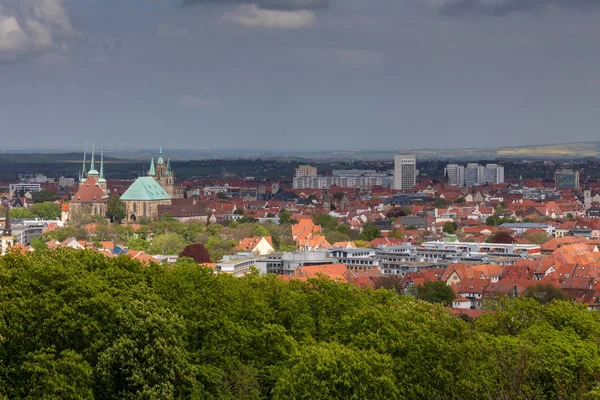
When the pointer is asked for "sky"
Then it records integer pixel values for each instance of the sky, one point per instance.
(298, 74)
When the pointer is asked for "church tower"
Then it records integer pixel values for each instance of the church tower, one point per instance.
(7, 237)
(163, 174)
(101, 180)
(83, 174)
(92, 172)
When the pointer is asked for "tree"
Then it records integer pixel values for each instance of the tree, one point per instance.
(115, 208)
(221, 196)
(326, 221)
(441, 203)
(168, 243)
(48, 211)
(545, 293)
(57, 376)
(435, 292)
(450, 227)
(369, 233)
(21, 212)
(197, 252)
(538, 237)
(137, 244)
(285, 217)
(333, 371)
(500, 237)
(44, 196)
(335, 236)
(259, 230)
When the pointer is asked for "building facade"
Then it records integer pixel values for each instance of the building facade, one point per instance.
(455, 175)
(405, 171)
(566, 179)
(143, 198)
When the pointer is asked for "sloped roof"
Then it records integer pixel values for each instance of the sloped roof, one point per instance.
(145, 188)
(89, 192)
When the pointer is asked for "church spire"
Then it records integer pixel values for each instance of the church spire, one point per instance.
(92, 167)
(92, 162)
(152, 171)
(102, 165)
(83, 171)
(160, 160)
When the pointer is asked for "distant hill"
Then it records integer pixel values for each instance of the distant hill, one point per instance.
(551, 151)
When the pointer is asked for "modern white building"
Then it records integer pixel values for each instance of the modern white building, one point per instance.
(476, 174)
(455, 174)
(345, 179)
(405, 171)
(493, 174)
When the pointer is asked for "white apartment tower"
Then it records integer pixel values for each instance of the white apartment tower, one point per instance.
(493, 174)
(405, 171)
(455, 174)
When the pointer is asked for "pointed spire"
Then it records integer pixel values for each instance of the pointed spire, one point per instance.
(160, 160)
(92, 170)
(92, 162)
(83, 172)
(102, 166)
(152, 171)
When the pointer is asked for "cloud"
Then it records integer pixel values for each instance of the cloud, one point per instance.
(505, 7)
(32, 25)
(194, 103)
(253, 16)
(283, 5)
(167, 31)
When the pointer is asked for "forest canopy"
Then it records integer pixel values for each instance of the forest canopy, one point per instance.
(79, 325)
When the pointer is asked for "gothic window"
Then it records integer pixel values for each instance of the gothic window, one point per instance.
(134, 208)
(144, 209)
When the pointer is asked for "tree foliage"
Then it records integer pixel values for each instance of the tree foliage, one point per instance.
(78, 325)
(197, 252)
(369, 233)
(435, 292)
(545, 293)
(115, 208)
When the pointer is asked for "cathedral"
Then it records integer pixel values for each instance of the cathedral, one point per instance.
(146, 193)
(163, 174)
(92, 191)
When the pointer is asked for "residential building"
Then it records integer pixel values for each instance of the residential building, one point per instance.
(473, 174)
(405, 171)
(566, 179)
(16, 188)
(65, 182)
(493, 174)
(455, 175)
(345, 179)
(306, 171)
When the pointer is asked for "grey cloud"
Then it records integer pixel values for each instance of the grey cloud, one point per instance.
(28, 26)
(505, 7)
(286, 5)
